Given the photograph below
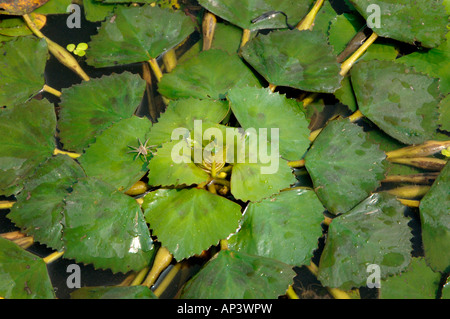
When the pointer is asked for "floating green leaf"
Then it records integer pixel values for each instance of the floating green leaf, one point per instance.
(203, 76)
(290, 219)
(106, 228)
(137, 34)
(242, 12)
(97, 11)
(253, 176)
(435, 220)
(22, 274)
(21, 69)
(400, 101)
(342, 29)
(374, 232)
(417, 282)
(38, 211)
(171, 166)
(298, 59)
(344, 165)
(415, 22)
(182, 114)
(108, 158)
(30, 141)
(188, 221)
(434, 62)
(113, 292)
(261, 109)
(241, 276)
(90, 107)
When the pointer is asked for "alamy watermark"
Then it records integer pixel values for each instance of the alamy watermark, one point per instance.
(374, 279)
(228, 145)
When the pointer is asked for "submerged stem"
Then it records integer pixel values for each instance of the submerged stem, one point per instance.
(58, 51)
(162, 261)
(155, 68)
(410, 191)
(57, 151)
(6, 204)
(51, 90)
(53, 256)
(308, 22)
(347, 65)
(335, 292)
(246, 33)
(208, 28)
(425, 149)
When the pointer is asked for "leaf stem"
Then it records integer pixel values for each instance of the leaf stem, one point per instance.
(6, 204)
(291, 293)
(246, 33)
(410, 191)
(425, 178)
(208, 29)
(409, 202)
(308, 21)
(427, 163)
(140, 276)
(13, 235)
(347, 65)
(53, 256)
(170, 60)
(51, 90)
(163, 259)
(24, 242)
(309, 99)
(335, 292)
(156, 69)
(297, 164)
(57, 151)
(138, 188)
(167, 280)
(58, 51)
(425, 149)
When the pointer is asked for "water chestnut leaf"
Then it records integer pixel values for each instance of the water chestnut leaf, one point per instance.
(90, 107)
(106, 228)
(30, 141)
(242, 276)
(108, 158)
(242, 12)
(22, 65)
(209, 75)
(182, 113)
(188, 221)
(435, 221)
(290, 219)
(23, 275)
(137, 34)
(345, 166)
(259, 108)
(374, 232)
(418, 281)
(400, 101)
(298, 59)
(410, 21)
(38, 211)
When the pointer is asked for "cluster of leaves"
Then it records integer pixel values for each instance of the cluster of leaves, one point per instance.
(82, 206)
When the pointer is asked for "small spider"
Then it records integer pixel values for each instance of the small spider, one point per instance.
(142, 149)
